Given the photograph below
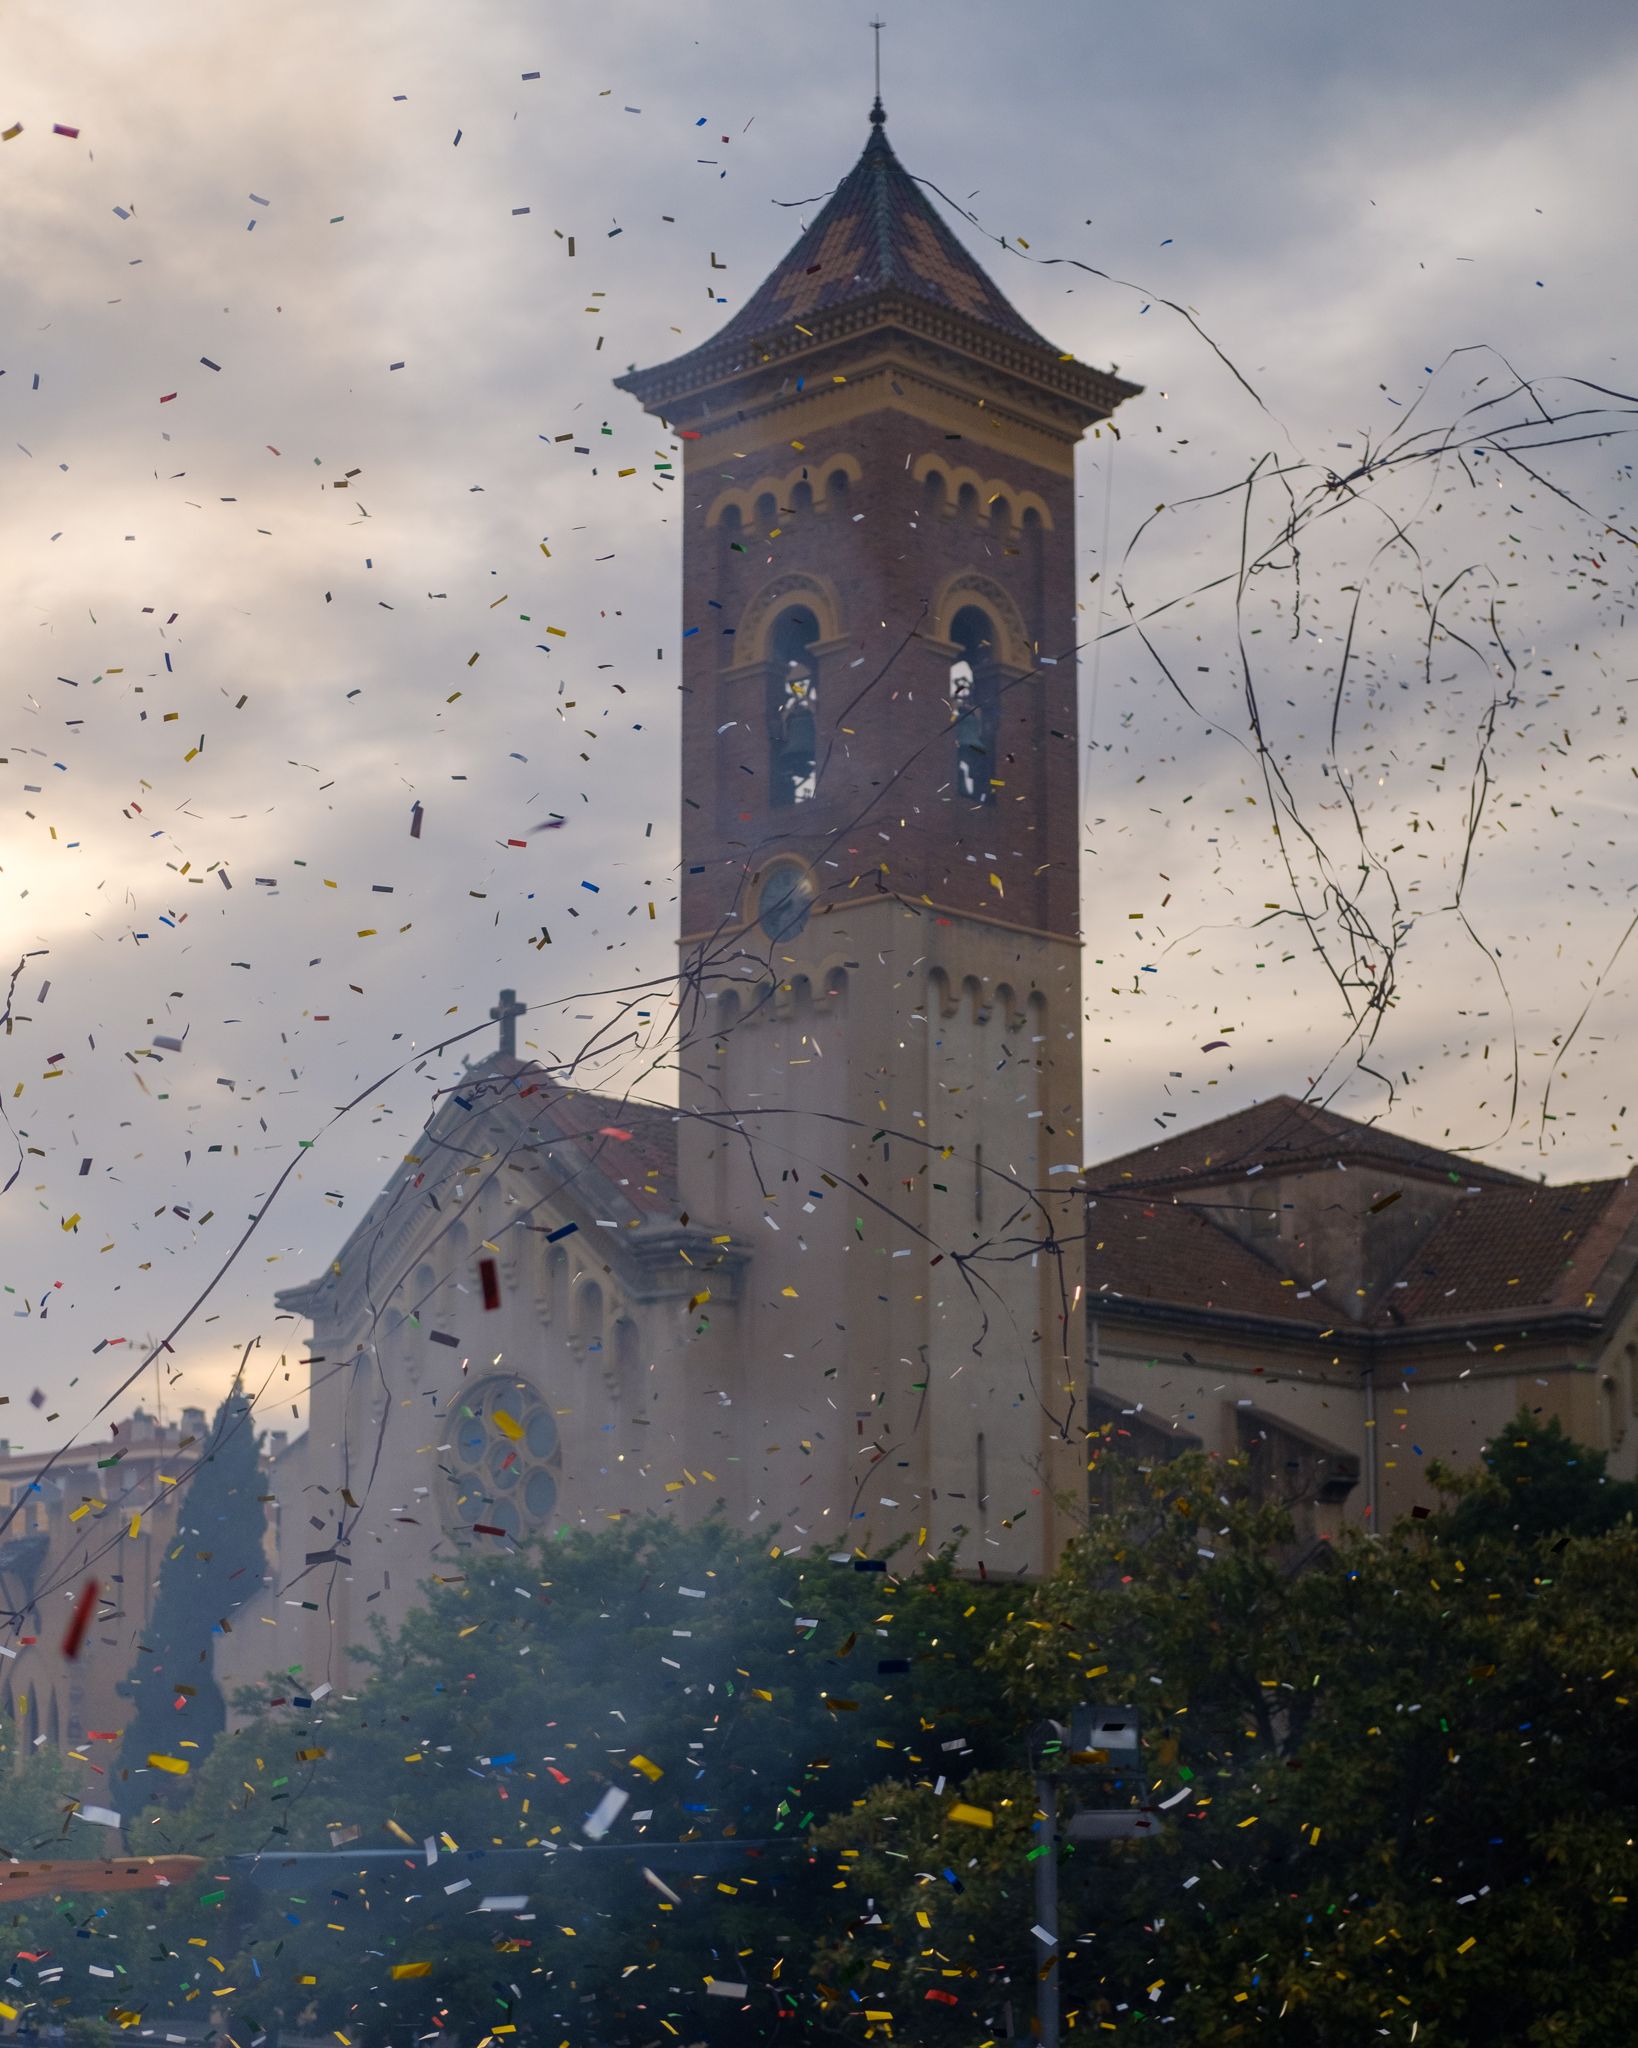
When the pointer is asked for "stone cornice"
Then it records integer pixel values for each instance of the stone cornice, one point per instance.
(740, 377)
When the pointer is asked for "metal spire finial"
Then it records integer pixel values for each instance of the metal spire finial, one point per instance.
(878, 113)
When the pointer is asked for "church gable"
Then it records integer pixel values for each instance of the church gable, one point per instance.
(509, 1156)
(505, 1311)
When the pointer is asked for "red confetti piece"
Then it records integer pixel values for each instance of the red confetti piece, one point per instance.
(80, 1620)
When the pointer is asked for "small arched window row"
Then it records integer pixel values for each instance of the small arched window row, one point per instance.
(974, 699)
(810, 487)
(958, 493)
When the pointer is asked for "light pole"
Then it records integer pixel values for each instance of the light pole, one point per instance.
(1093, 1739)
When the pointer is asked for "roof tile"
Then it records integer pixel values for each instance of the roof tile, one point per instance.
(1278, 1135)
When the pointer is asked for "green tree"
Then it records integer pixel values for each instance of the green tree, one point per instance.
(765, 1690)
(214, 1565)
(1397, 1788)
(1535, 1482)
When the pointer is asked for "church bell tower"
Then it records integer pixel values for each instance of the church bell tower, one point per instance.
(881, 998)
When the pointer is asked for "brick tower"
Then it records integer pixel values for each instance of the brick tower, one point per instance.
(880, 888)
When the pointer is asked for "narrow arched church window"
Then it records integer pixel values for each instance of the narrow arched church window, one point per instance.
(793, 708)
(973, 703)
(586, 1322)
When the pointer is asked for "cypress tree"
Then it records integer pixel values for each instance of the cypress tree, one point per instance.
(214, 1564)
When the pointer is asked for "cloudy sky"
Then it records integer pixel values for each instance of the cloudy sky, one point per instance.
(291, 323)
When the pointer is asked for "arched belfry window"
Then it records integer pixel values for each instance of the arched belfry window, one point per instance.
(793, 708)
(974, 687)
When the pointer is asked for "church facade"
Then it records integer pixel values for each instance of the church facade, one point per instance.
(836, 1292)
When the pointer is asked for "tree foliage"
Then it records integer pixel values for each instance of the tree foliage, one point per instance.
(1395, 1787)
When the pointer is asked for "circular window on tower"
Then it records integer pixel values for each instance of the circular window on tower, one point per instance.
(784, 900)
(503, 1462)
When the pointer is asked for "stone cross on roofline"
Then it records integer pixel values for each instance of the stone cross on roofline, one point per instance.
(506, 1014)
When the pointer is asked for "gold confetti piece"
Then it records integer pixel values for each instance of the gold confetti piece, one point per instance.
(972, 1816)
(508, 1425)
(649, 1769)
(401, 1970)
(178, 1766)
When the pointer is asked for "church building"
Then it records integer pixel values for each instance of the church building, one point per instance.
(836, 1292)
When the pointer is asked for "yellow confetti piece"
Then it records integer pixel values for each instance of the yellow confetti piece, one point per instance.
(136, 1523)
(995, 884)
(69, 1225)
(508, 1425)
(400, 1970)
(650, 1770)
(178, 1766)
(7, 2012)
(394, 1829)
(1463, 1947)
(972, 1816)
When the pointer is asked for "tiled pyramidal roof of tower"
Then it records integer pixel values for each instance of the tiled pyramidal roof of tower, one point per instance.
(878, 231)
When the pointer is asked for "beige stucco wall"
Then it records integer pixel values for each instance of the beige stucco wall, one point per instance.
(934, 1032)
(1434, 1399)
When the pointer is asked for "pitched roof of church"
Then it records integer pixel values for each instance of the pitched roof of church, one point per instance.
(635, 1142)
(1504, 1246)
(1279, 1135)
(603, 1155)
(1519, 1252)
(1523, 1248)
(877, 236)
(1175, 1253)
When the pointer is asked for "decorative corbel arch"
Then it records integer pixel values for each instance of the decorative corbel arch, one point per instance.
(968, 586)
(795, 587)
(988, 489)
(816, 474)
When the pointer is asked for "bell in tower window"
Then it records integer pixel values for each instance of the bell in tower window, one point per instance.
(794, 709)
(972, 706)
